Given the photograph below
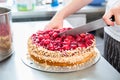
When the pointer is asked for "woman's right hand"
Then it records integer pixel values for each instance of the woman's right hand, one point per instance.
(73, 6)
(54, 23)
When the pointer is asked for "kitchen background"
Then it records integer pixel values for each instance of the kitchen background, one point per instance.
(30, 15)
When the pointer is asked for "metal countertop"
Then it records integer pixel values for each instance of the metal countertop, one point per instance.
(14, 69)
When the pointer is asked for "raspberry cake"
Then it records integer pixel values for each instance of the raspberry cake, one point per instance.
(47, 48)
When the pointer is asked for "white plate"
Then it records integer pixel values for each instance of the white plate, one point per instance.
(33, 65)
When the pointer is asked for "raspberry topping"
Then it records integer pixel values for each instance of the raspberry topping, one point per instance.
(50, 40)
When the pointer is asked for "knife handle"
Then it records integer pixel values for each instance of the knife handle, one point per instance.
(112, 18)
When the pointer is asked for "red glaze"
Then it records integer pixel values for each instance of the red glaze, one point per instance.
(52, 41)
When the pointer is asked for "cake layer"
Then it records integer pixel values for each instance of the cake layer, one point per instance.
(54, 63)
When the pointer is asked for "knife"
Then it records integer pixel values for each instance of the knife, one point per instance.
(91, 26)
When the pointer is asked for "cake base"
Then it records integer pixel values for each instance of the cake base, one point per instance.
(27, 61)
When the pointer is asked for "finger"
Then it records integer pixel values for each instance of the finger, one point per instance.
(60, 26)
(117, 19)
(47, 27)
(107, 19)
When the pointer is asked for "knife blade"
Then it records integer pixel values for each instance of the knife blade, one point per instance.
(91, 26)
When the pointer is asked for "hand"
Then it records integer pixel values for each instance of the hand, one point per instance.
(70, 8)
(54, 24)
(114, 11)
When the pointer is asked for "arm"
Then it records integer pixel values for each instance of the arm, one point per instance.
(113, 9)
(70, 8)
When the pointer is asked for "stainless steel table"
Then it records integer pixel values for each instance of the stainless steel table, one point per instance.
(14, 69)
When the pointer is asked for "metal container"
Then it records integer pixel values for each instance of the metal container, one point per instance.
(5, 33)
(112, 46)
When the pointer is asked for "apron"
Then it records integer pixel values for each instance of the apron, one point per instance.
(112, 46)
